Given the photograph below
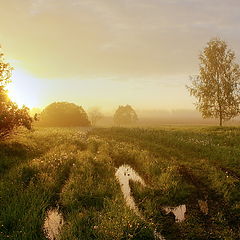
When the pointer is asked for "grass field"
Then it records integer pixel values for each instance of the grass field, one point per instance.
(75, 170)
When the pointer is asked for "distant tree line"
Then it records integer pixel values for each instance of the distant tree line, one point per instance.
(64, 114)
(58, 114)
(216, 88)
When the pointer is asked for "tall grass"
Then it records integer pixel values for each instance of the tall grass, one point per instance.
(75, 171)
(187, 165)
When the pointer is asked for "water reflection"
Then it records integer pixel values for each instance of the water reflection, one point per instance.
(125, 173)
(179, 212)
(53, 224)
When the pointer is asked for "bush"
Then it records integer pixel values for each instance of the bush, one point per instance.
(64, 114)
(125, 115)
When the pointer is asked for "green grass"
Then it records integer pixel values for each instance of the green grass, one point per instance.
(185, 165)
(63, 167)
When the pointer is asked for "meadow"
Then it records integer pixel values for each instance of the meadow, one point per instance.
(74, 169)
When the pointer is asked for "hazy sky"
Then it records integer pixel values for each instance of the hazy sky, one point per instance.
(111, 52)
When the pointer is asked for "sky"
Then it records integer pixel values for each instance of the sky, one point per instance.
(108, 53)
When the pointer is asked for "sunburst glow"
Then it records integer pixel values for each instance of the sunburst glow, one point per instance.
(24, 89)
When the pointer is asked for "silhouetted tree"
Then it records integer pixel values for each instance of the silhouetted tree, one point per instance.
(95, 115)
(11, 117)
(125, 115)
(64, 114)
(217, 87)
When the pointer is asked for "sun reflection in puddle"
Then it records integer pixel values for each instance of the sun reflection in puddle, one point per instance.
(179, 212)
(53, 224)
(125, 173)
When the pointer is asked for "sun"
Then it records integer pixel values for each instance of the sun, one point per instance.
(15, 95)
(24, 89)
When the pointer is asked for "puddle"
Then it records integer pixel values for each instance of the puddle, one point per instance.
(125, 173)
(203, 206)
(179, 212)
(53, 224)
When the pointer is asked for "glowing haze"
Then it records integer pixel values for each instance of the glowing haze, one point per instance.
(111, 52)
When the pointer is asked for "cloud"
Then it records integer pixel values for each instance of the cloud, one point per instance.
(122, 39)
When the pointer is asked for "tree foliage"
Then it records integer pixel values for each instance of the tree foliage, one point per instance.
(125, 115)
(64, 114)
(217, 87)
(11, 117)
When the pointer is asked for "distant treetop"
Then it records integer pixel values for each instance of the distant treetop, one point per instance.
(63, 114)
(125, 115)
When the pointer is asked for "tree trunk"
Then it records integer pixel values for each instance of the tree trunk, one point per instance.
(220, 116)
(220, 122)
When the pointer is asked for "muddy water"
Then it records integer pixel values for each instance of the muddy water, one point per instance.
(179, 212)
(53, 224)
